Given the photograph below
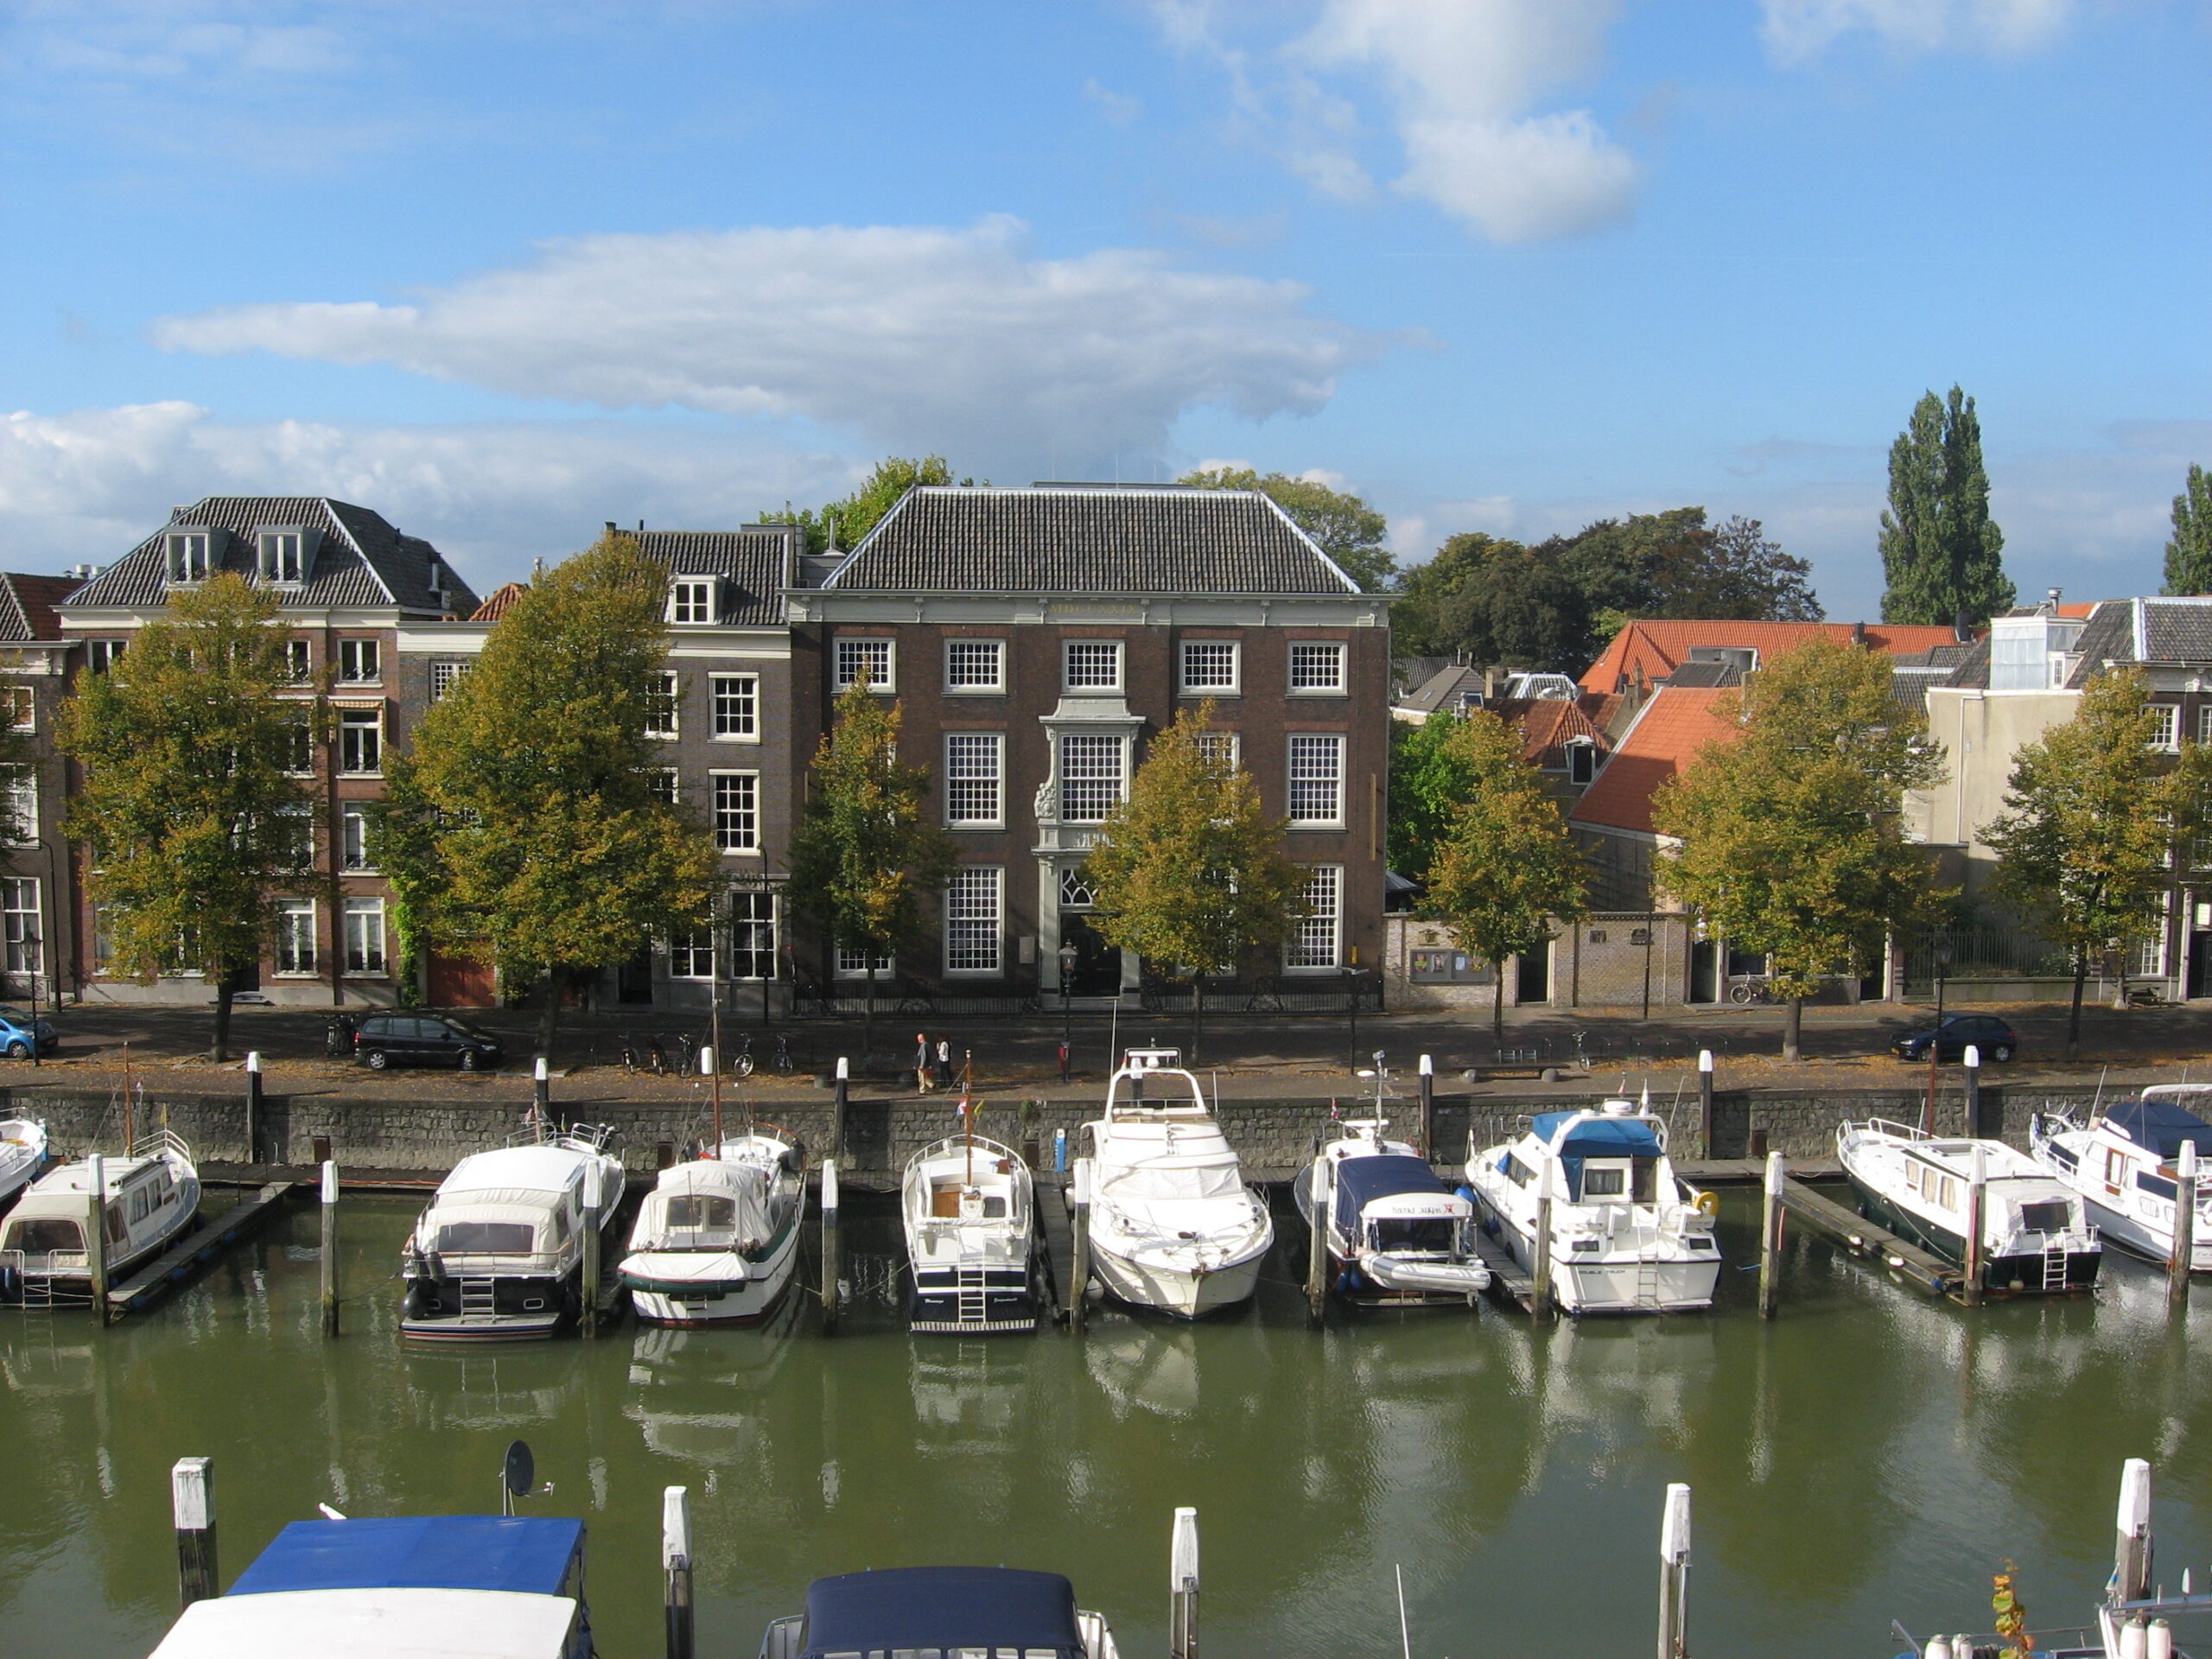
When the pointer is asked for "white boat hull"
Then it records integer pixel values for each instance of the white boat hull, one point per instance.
(721, 1288)
(1186, 1290)
(1614, 1285)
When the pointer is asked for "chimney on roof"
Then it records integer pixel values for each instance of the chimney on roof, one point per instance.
(2053, 601)
(1489, 685)
(1859, 633)
(1962, 628)
(610, 527)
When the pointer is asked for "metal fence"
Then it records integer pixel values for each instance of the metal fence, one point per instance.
(1283, 994)
(1983, 953)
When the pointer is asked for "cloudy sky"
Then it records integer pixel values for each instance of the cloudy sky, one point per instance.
(504, 271)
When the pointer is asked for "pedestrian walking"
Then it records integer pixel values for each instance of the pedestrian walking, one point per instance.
(922, 1061)
(943, 1063)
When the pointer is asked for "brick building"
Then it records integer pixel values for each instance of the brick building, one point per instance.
(37, 886)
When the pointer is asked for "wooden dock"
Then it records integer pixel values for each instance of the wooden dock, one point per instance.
(203, 1244)
(1057, 1227)
(1506, 1277)
(1749, 1172)
(1847, 1227)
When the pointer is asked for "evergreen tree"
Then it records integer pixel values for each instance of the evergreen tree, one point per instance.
(1940, 547)
(1342, 526)
(2188, 555)
(190, 805)
(852, 517)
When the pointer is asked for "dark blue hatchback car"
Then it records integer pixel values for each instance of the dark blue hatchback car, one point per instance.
(20, 1034)
(1985, 1030)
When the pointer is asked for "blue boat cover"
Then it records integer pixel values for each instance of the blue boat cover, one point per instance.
(1594, 1137)
(1381, 1175)
(2161, 1126)
(941, 1607)
(418, 1552)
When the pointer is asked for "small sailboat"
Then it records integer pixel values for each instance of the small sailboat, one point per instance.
(2035, 1238)
(941, 1610)
(716, 1240)
(970, 1213)
(1173, 1225)
(22, 1154)
(1627, 1234)
(2123, 1163)
(147, 1198)
(1397, 1236)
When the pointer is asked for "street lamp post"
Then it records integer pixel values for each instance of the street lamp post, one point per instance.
(1067, 1008)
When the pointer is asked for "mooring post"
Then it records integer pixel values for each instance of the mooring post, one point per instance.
(831, 1266)
(541, 1091)
(253, 1107)
(1705, 1103)
(1539, 1266)
(2131, 1570)
(2185, 1228)
(1778, 1172)
(1316, 1244)
(1972, 1061)
(328, 1264)
(96, 1238)
(1079, 1227)
(676, 1567)
(593, 1199)
(1977, 1255)
(1675, 1575)
(1427, 1108)
(837, 1107)
(1183, 1587)
(192, 1496)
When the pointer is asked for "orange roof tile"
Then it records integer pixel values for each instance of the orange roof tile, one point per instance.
(1671, 729)
(502, 600)
(1546, 724)
(1656, 649)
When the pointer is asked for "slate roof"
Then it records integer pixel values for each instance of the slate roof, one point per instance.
(1669, 732)
(1706, 674)
(362, 560)
(27, 607)
(1656, 649)
(1088, 539)
(1442, 690)
(755, 563)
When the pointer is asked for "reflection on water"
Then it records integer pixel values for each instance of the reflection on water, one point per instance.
(1868, 1455)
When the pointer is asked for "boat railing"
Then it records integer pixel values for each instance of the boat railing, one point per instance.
(44, 1264)
(153, 1143)
(783, 1639)
(1902, 1131)
(993, 1150)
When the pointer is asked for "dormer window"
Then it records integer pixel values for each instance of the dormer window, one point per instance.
(691, 598)
(190, 555)
(283, 552)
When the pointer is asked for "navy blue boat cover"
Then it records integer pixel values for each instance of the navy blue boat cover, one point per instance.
(2161, 1126)
(419, 1552)
(1595, 1137)
(1381, 1175)
(941, 1607)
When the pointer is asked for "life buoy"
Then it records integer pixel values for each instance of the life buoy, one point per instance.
(1708, 1204)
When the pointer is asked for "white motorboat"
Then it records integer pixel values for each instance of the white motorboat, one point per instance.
(2122, 1165)
(716, 1240)
(147, 1198)
(498, 1254)
(1397, 1235)
(2035, 1238)
(1627, 1234)
(972, 1238)
(22, 1154)
(1173, 1225)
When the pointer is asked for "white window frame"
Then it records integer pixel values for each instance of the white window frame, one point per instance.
(733, 707)
(1316, 650)
(22, 707)
(2204, 722)
(974, 798)
(663, 703)
(366, 952)
(1316, 944)
(100, 654)
(851, 963)
(850, 649)
(354, 839)
(301, 731)
(686, 951)
(445, 674)
(668, 784)
(1587, 751)
(736, 824)
(753, 935)
(274, 547)
(1223, 746)
(1092, 651)
(352, 721)
(188, 555)
(360, 662)
(299, 661)
(1093, 743)
(2166, 726)
(1194, 688)
(299, 951)
(691, 601)
(975, 922)
(1300, 775)
(956, 686)
(22, 929)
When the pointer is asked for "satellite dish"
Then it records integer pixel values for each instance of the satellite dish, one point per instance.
(522, 1469)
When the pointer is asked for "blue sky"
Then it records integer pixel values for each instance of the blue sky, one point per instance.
(504, 271)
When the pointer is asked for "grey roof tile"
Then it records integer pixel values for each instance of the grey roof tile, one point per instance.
(756, 561)
(2108, 636)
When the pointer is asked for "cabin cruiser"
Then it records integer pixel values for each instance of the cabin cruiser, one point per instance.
(2122, 1164)
(972, 1238)
(150, 1196)
(716, 1240)
(499, 1253)
(941, 1610)
(2034, 1236)
(1173, 1225)
(1397, 1235)
(23, 1153)
(1627, 1234)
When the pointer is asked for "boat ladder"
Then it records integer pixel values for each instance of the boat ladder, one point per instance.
(476, 1300)
(1647, 1282)
(2054, 1266)
(974, 1306)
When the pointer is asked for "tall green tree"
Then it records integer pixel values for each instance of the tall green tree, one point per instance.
(851, 518)
(867, 862)
(1940, 547)
(527, 827)
(1343, 525)
(1790, 838)
(2189, 554)
(190, 805)
(1432, 775)
(2093, 813)
(1502, 869)
(1189, 871)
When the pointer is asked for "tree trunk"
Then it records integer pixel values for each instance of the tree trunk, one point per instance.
(1497, 1000)
(1197, 1014)
(226, 983)
(1792, 1025)
(549, 1017)
(2073, 1014)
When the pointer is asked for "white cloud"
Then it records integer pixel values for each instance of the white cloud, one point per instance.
(1794, 30)
(1120, 108)
(955, 340)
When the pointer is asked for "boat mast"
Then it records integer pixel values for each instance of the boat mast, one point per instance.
(968, 1111)
(715, 1058)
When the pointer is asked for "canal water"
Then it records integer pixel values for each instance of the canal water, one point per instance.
(1867, 1457)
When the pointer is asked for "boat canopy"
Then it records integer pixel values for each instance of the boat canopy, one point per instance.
(716, 1196)
(2162, 1126)
(1362, 1180)
(530, 1556)
(943, 1607)
(1594, 1137)
(380, 1624)
(512, 1169)
(1159, 1181)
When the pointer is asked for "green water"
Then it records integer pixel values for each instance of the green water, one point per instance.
(1868, 1457)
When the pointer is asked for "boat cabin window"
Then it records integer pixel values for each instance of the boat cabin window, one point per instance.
(141, 1205)
(1604, 1180)
(1911, 1176)
(118, 1228)
(2115, 1167)
(562, 1226)
(701, 1212)
(486, 1238)
(1644, 1180)
(1414, 1233)
(2052, 1217)
(41, 1234)
(1514, 1170)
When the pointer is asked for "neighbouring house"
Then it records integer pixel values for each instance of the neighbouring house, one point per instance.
(39, 957)
(1649, 653)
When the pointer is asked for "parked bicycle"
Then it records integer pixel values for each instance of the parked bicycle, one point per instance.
(1752, 988)
(743, 1064)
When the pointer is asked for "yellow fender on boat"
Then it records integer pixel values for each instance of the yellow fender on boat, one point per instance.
(1708, 1204)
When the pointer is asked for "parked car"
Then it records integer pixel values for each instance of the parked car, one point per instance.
(20, 1034)
(382, 1039)
(1985, 1030)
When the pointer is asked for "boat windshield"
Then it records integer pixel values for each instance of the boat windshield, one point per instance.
(39, 1234)
(1415, 1233)
(2053, 1216)
(1152, 1183)
(486, 1238)
(701, 1212)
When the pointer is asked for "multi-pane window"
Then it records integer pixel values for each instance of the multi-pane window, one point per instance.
(1210, 666)
(1316, 668)
(691, 598)
(736, 699)
(971, 919)
(19, 807)
(753, 934)
(21, 708)
(295, 834)
(692, 956)
(282, 556)
(444, 678)
(19, 924)
(663, 691)
(188, 557)
(1317, 778)
(364, 936)
(665, 785)
(299, 661)
(360, 740)
(2204, 722)
(2165, 726)
(864, 659)
(1319, 938)
(360, 662)
(1091, 776)
(1092, 665)
(737, 811)
(354, 838)
(974, 768)
(974, 665)
(1219, 746)
(295, 743)
(853, 963)
(100, 654)
(296, 941)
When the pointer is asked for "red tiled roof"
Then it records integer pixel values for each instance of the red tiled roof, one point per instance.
(1672, 727)
(1546, 724)
(37, 596)
(1657, 648)
(501, 601)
